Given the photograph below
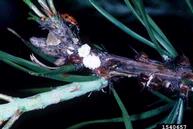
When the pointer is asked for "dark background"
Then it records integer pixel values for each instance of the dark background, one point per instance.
(174, 19)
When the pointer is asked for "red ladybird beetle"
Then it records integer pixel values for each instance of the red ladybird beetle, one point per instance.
(73, 24)
(69, 19)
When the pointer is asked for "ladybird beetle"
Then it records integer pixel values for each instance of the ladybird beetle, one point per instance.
(72, 23)
(69, 19)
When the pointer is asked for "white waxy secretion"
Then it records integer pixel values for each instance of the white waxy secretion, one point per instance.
(92, 61)
(84, 50)
(75, 40)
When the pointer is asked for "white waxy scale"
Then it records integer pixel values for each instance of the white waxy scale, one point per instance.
(84, 50)
(90, 60)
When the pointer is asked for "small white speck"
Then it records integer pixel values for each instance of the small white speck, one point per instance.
(92, 61)
(75, 40)
(69, 52)
(181, 85)
(150, 79)
(167, 85)
(192, 89)
(165, 57)
(71, 48)
(84, 50)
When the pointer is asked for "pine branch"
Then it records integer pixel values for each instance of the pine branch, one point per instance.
(13, 109)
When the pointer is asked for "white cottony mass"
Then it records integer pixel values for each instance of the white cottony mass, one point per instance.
(84, 50)
(92, 61)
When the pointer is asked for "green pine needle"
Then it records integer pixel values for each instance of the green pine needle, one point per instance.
(176, 114)
(126, 117)
(102, 121)
(28, 2)
(161, 96)
(188, 2)
(36, 70)
(135, 117)
(159, 40)
(34, 18)
(121, 25)
(154, 31)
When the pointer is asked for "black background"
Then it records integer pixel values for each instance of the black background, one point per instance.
(94, 29)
